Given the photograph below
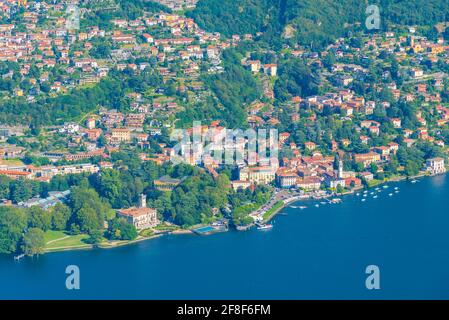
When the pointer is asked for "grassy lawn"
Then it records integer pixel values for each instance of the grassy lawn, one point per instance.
(277, 206)
(62, 240)
(374, 183)
(146, 233)
(52, 235)
(166, 227)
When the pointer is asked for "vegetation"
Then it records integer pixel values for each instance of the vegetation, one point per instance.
(277, 206)
(234, 89)
(313, 23)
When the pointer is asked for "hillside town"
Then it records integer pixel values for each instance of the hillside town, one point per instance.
(380, 110)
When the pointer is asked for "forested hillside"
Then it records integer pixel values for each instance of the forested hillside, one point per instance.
(310, 22)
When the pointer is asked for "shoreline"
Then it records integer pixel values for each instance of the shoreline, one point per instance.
(293, 199)
(285, 203)
(117, 244)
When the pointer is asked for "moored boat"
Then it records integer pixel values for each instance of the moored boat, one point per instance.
(266, 226)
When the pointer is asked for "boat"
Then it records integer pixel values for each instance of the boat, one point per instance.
(317, 205)
(336, 200)
(322, 202)
(363, 200)
(264, 226)
(396, 188)
(397, 191)
(18, 257)
(294, 207)
(414, 181)
(302, 207)
(390, 194)
(385, 187)
(357, 194)
(375, 197)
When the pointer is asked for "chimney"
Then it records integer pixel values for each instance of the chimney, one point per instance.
(143, 200)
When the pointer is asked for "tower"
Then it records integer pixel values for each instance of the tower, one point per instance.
(340, 169)
(143, 200)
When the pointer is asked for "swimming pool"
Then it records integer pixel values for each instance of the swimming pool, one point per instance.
(205, 229)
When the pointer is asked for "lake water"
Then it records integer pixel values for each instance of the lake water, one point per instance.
(315, 253)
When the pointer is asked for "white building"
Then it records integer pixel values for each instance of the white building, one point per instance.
(435, 166)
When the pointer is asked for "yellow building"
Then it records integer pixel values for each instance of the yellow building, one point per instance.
(257, 175)
(121, 135)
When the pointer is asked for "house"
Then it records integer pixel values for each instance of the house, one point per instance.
(368, 176)
(270, 69)
(141, 217)
(310, 146)
(257, 175)
(238, 184)
(367, 158)
(254, 65)
(435, 165)
(286, 179)
(416, 73)
(309, 183)
(396, 123)
(120, 135)
(352, 182)
(90, 123)
(148, 38)
(333, 180)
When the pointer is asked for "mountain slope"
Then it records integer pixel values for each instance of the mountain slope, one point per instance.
(310, 22)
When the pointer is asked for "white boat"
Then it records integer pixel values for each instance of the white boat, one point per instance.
(294, 207)
(385, 187)
(414, 181)
(302, 207)
(397, 191)
(20, 256)
(390, 194)
(396, 188)
(358, 194)
(264, 227)
(363, 200)
(375, 197)
(317, 205)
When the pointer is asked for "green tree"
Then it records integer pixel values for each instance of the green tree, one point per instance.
(33, 242)
(60, 215)
(39, 218)
(120, 229)
(13, 222)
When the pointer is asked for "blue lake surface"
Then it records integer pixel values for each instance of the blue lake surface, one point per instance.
(315, 253)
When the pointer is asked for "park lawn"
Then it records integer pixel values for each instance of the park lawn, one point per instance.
(146, 233)
(166, 227)
(277, 206)
(52, 235)
(61, 240)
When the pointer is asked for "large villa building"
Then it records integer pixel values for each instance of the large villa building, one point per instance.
(141, 217)
(435, 166)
